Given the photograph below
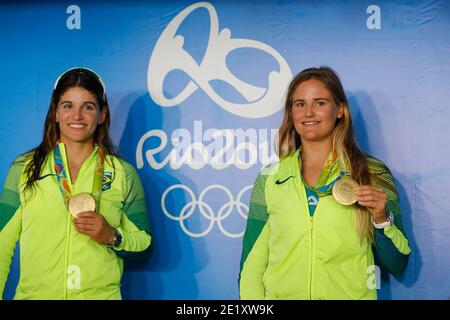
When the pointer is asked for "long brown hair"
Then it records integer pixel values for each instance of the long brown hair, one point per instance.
(343, 141)
(76, 77)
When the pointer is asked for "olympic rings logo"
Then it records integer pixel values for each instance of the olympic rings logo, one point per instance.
(206, 211)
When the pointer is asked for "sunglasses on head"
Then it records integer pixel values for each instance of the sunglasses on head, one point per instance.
(82, 70)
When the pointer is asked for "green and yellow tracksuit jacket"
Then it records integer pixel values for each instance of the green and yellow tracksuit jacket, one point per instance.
(56, 261)
(289, 254)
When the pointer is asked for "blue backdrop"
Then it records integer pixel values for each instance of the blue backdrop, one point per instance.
(196, 90)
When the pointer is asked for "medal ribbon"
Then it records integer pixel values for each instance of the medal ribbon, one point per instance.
(63, 181)
(330, 174)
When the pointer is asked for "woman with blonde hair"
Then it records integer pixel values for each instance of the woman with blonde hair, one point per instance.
(322, 217)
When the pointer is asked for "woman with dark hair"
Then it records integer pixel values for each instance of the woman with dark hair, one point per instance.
(321, 218)
(76, 208)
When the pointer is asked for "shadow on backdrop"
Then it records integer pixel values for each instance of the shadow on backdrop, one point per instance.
(170, 273)
(363, 109)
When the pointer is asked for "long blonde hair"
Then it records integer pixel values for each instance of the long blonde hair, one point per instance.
(343, 141)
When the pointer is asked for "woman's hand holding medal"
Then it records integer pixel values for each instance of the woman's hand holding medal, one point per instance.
(95, 226)
(374, 199)
(346, 191)
(89, 222)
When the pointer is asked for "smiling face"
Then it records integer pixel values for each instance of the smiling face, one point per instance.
(78, 114)
(314, 111)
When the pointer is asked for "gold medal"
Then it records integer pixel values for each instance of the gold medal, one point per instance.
(80, 203)
(344, 191)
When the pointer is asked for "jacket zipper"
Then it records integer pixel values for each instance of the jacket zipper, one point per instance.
(311, 258)
(69, 216)
(69, 222)
(66, 278)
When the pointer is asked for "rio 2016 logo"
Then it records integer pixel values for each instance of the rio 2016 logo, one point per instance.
(169, 55)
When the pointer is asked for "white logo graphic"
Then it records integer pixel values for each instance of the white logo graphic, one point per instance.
(374, 20)
(169, 55)
(216, 148)
(205, 209)
(73, 277)
(312, 201)
(374, 278)
(73, 22)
